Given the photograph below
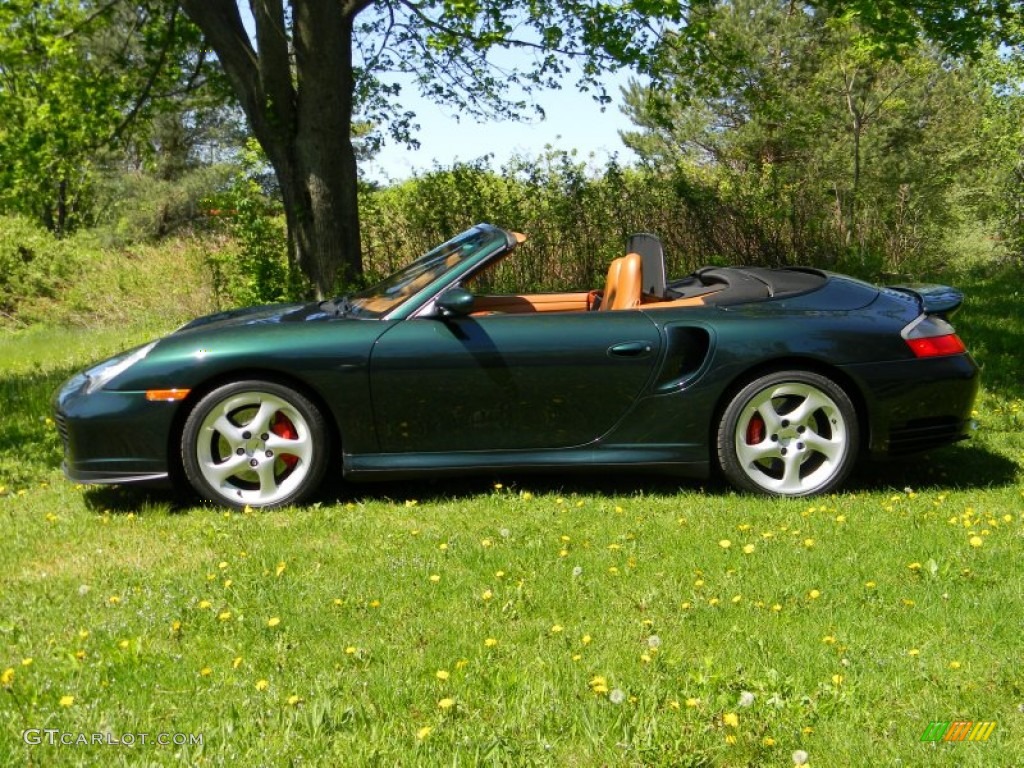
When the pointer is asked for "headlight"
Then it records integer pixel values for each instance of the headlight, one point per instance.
(101, 375)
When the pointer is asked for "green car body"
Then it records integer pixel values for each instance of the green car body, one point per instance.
(410, 379)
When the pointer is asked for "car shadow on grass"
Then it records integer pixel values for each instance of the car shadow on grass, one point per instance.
(957, 467)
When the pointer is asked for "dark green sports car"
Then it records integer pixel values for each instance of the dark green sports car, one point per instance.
(778, 378)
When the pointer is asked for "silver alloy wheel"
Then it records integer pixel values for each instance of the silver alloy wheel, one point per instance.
(254, 447)
(792, 439)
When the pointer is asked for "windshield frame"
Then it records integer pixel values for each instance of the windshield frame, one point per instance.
(418, 283)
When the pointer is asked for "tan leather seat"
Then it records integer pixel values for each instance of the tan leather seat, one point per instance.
(611, 283)
(629, 283)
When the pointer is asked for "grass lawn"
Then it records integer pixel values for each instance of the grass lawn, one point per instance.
(515, 620)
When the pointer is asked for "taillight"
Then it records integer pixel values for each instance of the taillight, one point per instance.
(937, 346)
(930, 336)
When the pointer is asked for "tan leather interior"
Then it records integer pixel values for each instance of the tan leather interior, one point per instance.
(536, 302)
(611, 284)
(624, 283)
(687, 301)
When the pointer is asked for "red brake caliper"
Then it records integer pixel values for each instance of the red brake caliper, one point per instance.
(755, 429)
(282, 427)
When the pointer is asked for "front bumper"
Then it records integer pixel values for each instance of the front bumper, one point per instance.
(113, 437)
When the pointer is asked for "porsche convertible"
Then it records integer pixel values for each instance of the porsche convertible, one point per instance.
(779, 380)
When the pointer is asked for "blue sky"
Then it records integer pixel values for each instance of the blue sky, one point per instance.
(574, 121)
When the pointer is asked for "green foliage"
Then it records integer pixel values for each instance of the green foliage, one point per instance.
(796, 144)
(77, 79)
(255, 269)
(33, 263)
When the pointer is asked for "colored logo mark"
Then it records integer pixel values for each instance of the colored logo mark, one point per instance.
(958, 730)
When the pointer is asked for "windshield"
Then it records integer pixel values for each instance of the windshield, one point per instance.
(406, 283)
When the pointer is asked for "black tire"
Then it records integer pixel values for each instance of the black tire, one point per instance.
(788, 433)
(255, 443)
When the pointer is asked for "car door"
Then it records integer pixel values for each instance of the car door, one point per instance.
(507, 382)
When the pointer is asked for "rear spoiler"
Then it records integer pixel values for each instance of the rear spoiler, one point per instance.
(934, 299)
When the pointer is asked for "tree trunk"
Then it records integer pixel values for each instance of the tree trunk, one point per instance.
(301, 118)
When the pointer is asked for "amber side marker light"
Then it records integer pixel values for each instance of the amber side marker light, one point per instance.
(937, 346)
(166, 395)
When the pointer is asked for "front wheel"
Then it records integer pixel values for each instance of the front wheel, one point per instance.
(789, 433)
(255, 443)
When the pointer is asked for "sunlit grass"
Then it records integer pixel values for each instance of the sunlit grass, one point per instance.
(513, 620)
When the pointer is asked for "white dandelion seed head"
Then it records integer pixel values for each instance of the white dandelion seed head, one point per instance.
(505, 533)
(84, 590)
(653, 642)
(746, 699)
(617, 696)
(577, 571)
(800, 757)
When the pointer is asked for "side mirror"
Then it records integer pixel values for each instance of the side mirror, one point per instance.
(455, 302)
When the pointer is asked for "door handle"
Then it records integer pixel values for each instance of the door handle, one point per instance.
(630, 349)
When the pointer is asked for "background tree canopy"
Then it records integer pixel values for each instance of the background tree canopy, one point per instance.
(859, 133)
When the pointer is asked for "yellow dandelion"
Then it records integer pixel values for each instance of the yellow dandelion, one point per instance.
(954, 665)
(441, 674)
(748, 549)
(814, 594)
(7, 677)
(423, 732)
(731, 719)
(499, 574)
(80, 655)
(490, 642)
(462, 663)
(224, 616)
(725, 543)
(205, 672)
(777, 607)
(374, 603)
(585, 639)
(976, 541)
(692, 703)
(837, 679)
(114, 599)
(443, 546)
(27, 662)
(236, 662)
(123, 645)
(713, 602)
(262, 685)
(67, 701)
(351, 650)
(730, 739)
(280, 568)
(222, 564)
(808, 543)
(294, 700)
(829, 639)
(435, 578)
(915, 566)
(273, 621)
(487, 595)
(445, 704)
(556, 628)
(913, 652)
(870, 584)
(204, 604)
(486, 543)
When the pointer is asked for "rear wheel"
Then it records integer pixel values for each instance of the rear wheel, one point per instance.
(789, 433)
(255, 443)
